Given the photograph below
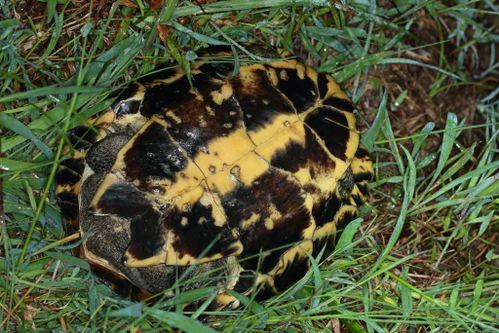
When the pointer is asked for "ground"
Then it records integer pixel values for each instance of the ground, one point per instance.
(423, 76)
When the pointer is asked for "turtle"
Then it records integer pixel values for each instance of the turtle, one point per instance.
(241, 173)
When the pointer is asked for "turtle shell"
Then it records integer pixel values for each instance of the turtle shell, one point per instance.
(243, 175)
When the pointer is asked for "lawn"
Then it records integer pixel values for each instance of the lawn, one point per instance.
(423, 76)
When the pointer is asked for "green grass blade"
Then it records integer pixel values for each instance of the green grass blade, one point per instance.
(176, 320)
(18, 127)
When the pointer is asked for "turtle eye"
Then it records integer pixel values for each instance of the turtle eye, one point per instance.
(127, 107)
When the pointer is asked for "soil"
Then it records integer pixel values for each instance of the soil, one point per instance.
(419, 107)
(422, 232)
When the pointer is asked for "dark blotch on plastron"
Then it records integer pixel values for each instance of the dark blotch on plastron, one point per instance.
(196, 239)
(123, 200)
(164, 96)
(197, 126)
(264, 292)
(102, 155)
(295, 271)
(324, 211)
(146, 234)
(295, 156)
(190, 138)
(215, 50)
(325, 245)
(75, 164)
(273, 187)
(339, 104)
(220, 70)
(357, 199)
(322, 82)
(317, 155)
(332, 128)
(259, 101)
(245, 281)
(301, 92)
(70, 213)
(176, 96)
(254, 119)
(153, 154)
(291, 158)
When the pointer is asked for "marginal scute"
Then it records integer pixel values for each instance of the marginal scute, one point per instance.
(68, 202)
(244, 174)
(298, 87)
(67, 176)
(325, 210)
(259, 100)
(217, 70)
(332, 128)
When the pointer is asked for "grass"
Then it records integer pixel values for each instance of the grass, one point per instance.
(424, 76)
